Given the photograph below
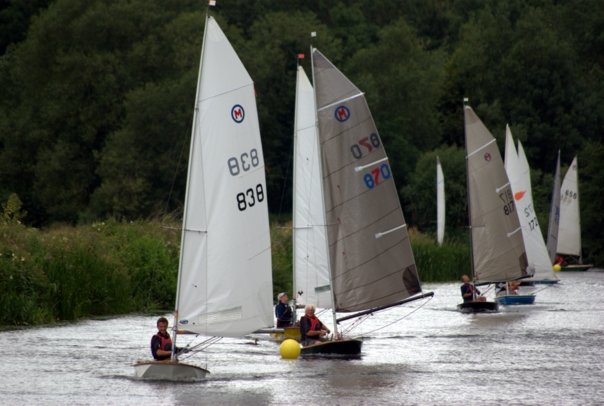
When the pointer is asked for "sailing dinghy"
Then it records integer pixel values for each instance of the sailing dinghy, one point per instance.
(569, 234)
(224, 278)
(440, 203)
(369, 259)
(496, 242)
(519, 173)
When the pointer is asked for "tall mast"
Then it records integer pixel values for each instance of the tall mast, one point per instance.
(469, 200)
(294, 291)
(185, 209)
(331, 288)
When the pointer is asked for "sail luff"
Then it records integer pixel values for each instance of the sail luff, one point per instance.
(554, 214)
(569, 236)
(369, 266)
(440, 203)
(497, 246)
(185, 206)
(225, 285)
(311, 274)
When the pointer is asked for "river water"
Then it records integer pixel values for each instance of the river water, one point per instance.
(551, 353)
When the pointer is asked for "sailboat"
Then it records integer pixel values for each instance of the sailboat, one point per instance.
(496, 242)
(569, 234)
(310, 260)
(440, 203)
(554, 215)
(370, 262)
(519, 173)
(224, 284)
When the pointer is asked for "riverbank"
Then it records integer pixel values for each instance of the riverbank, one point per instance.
(107, 268)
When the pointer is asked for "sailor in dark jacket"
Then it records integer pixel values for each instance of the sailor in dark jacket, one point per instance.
(284, 313)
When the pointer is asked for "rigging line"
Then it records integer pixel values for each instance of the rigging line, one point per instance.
(207, 343)
(404, 317)
(182, 150)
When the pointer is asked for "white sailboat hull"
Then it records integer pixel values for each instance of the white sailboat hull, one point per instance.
(168, 371)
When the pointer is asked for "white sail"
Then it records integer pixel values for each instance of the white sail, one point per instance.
(497, 246)
(371, 262)
(224, 280)
(311, 272)
(519, 173)
(440, 203)
(554, 214)
(569, 235)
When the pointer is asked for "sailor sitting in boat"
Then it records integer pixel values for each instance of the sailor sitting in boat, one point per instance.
(161, 342)
(509, 288)
(469, 292)
(312, 330)
(284, 313)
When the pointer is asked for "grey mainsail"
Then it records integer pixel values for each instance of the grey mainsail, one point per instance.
(497, 246)
(554, 215)
(371, 262)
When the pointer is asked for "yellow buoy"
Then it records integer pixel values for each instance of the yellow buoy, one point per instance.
(289, 349)
(557, 268)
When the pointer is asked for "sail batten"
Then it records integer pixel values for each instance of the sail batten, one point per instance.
(498, 253)
(224, 279)
(361, 202)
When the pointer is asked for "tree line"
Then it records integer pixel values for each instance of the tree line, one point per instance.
(97, 96)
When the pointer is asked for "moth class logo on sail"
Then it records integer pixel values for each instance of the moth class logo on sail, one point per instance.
(342, 113)
(237, 113)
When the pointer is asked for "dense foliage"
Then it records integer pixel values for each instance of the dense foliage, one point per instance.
(97, 95)
(69, 272)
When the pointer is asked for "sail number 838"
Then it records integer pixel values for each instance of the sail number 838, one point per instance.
(250, 197)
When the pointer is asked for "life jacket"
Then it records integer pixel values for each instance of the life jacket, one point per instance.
(165, 342)
(315, 324)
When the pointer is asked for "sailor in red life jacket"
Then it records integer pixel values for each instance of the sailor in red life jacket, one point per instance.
(161, 343)
(311, 328)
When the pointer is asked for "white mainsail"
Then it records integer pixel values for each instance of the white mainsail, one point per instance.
(371, 262)
(440, 203)
(554, 215)
(311, 273)
(498, 253)
(569, 235)
(224, 279)
(519, 174)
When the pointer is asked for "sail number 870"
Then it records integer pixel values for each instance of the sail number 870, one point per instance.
(373, 178)
(250, 197)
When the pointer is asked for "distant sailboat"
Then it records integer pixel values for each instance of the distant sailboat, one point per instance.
(440, 203)
(498, 253)
(224, 277)
(554, 215)
(370, 262)
(519, 173)
(569, 234)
